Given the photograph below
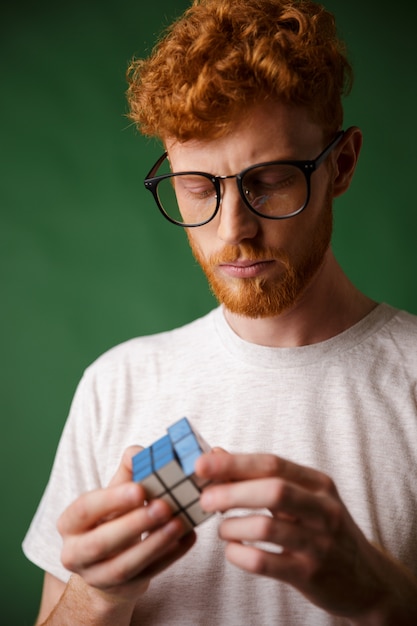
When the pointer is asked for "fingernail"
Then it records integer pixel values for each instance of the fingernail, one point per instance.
(206, 466)
(157, 511)
(173, 528)
(131, 491)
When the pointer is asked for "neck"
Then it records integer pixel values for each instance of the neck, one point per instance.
(329, 305)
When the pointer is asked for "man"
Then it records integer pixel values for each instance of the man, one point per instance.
(306, 385)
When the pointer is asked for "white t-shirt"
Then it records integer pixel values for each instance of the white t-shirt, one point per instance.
(346, 406)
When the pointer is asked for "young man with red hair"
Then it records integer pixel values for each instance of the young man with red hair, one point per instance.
(306, 385)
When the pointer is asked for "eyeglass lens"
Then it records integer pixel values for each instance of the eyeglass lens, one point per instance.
(273, 191)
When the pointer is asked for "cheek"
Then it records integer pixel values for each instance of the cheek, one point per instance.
(202, 240)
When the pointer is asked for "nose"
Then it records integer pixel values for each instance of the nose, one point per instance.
(235, 221)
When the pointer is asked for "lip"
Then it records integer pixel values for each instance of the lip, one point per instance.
(245, 269)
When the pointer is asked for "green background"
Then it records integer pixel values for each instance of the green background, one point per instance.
(86, 259)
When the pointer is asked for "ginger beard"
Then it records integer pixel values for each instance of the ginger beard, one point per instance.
(262, 297)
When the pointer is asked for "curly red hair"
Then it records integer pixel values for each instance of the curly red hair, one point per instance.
(222, 56)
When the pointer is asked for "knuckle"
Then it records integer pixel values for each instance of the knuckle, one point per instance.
(68, 560)
(77, 554)
(273, 465)
(79, 511)
(258, 562)
(94, 548)
(320, 553)
(327, 485)
(278, 491)
(76, 511)
(265, 528)
(120, 573)
(61, 525)
(336, 516)
(311, 571)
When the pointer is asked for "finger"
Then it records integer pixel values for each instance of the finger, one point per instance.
(268, 530)
(223, 467)
(277, 495)
(92, 507)
(124, 471)
(156, 545)
(139, 559)
(284, 566)
(113, 536)
(172, 554)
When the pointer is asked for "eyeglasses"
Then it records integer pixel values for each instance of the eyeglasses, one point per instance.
(275, 190)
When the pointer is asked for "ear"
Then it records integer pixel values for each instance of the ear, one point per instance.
(345, 159)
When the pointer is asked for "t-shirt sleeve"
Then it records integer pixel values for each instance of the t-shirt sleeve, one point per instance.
(74, 472)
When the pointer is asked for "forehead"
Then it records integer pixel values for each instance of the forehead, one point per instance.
(267, 131)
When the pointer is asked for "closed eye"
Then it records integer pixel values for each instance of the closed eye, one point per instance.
(193, 187)
(271, 179)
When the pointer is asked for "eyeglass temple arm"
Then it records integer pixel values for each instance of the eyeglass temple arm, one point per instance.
(155, 167)
(323, 155)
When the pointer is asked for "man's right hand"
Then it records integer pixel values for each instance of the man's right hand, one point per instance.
(116, 544)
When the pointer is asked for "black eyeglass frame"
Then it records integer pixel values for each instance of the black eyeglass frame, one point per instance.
(307, 167)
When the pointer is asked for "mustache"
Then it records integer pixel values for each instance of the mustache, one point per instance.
(249, 252)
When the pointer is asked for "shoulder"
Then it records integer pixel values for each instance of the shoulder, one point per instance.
(404, 321)
(400, 326)
(174, 344)
(397, 337)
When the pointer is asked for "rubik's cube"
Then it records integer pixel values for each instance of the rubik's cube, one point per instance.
(166, 471)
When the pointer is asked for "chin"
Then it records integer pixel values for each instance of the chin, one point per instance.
(258, 300)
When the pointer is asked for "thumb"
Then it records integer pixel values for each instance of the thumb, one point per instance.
(124, 471)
